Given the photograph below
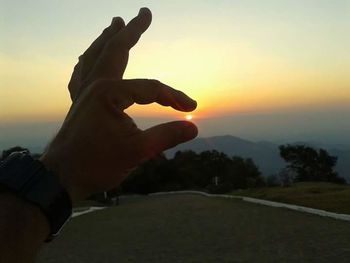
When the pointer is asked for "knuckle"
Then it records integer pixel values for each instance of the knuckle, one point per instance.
(100, 88)
(116, 43)
(100, 83)
(124, 40)
(71, 87)
(106, 31)
(81, 57)
(144, 152)
(155, 83)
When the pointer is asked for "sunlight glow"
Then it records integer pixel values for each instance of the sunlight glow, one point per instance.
(249, 63)
(189, 117)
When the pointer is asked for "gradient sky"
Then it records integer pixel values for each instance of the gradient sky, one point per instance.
(233, 56)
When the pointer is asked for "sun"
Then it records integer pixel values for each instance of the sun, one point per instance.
(189, 117)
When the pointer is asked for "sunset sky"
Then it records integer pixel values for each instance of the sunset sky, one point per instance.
(233, 56)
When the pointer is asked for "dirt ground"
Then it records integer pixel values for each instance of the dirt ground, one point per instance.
(189, 228)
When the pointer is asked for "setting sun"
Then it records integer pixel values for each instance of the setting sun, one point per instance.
(189, 117)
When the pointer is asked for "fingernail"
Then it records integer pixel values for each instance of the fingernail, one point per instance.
(190, 131)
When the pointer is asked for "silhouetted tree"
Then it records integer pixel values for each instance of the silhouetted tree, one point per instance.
(213, 164)
(211, 170)
(286, 177)
(272, 180)
(310, 164)
(6, 153)
(244, 173)
(145, 179)
(187, 165)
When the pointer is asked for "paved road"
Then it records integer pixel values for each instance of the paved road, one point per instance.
(199, 229)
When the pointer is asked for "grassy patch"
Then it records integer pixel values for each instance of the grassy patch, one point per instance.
(325, 196)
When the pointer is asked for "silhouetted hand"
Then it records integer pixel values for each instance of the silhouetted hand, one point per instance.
(99, 143)
(107, 57)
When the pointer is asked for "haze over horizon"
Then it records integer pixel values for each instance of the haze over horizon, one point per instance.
(261, 70)
(271, 128)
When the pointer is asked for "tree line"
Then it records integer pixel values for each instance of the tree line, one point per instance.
(217, 172)
(210, 170)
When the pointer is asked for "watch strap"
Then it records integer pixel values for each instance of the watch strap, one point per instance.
(29, 179)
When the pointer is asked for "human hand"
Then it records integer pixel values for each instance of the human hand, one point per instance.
(99, 143)
(107, 56)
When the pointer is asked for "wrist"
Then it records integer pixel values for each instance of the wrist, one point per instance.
(23, 228)
(60, 167)
(30, 180)
(30, 214)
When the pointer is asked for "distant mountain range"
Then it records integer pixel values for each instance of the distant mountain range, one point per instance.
(265, 154)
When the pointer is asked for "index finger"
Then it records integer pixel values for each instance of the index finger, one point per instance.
(145, 91)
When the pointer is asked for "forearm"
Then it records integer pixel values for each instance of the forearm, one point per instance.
(23, 228)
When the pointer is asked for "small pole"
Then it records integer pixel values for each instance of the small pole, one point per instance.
(216, 180)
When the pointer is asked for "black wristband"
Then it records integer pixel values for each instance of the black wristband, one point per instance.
(29, 179)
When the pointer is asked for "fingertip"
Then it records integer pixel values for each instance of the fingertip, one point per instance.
(117, 21)
(146, 15)
(187, 104)
(192, 105)
(189, 131)
(165, 136)
(145, 10)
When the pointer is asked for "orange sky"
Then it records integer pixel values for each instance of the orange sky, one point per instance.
(233, 57)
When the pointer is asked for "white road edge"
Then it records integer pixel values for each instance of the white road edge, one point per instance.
(304, 209)
(91, 209)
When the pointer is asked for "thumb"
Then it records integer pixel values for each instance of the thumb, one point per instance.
(165, 136)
